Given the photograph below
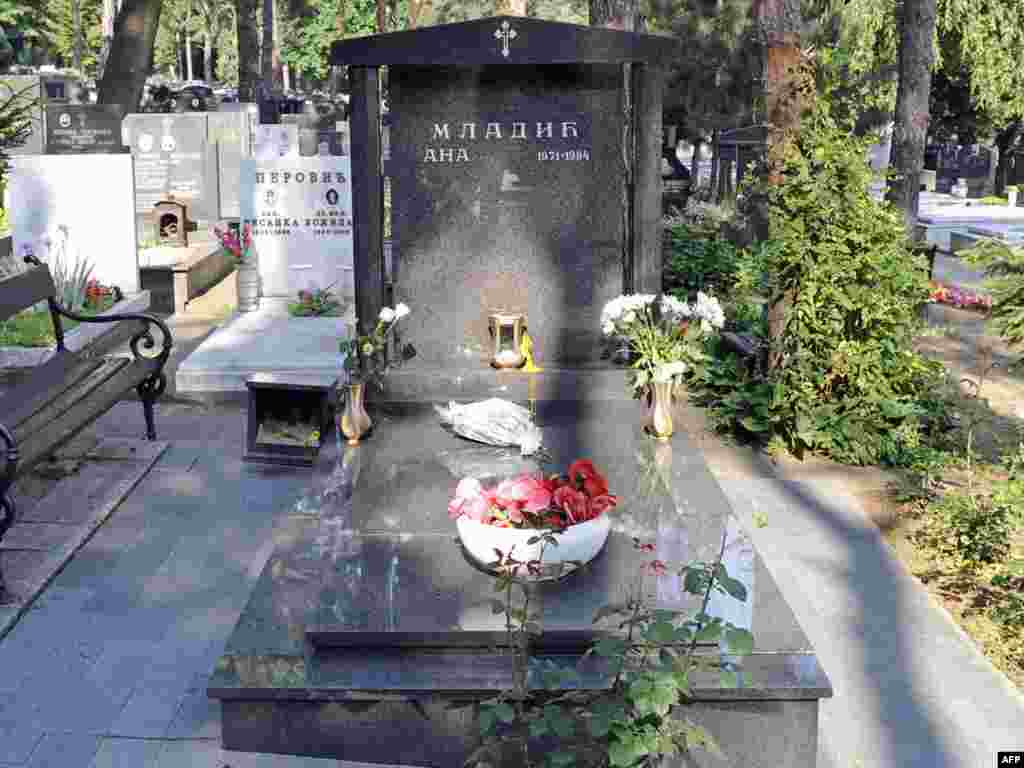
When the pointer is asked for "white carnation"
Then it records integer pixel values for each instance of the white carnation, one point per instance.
(386, 315)
(401, 310)
(666, 371)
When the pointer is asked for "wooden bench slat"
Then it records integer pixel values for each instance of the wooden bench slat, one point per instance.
(55, 407)
(85, 411)
(45, 383)
(23, 290)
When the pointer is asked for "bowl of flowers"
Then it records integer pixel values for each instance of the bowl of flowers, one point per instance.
(551, 525)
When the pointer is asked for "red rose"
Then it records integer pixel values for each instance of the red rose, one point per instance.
(573, 502)
(601, 504)
(583, 472)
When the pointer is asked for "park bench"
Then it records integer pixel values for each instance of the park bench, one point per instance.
(70, 390)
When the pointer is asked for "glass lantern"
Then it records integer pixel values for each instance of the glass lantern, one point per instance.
(506, 330)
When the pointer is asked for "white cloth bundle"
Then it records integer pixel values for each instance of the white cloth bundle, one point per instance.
(495, 422)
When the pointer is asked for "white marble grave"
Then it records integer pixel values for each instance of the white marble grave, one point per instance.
(83, 205)
(268, 340)
(301, 212)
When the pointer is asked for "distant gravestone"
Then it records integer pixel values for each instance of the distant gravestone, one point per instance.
(275, 141)
(75, 129)
(313, 143)
(78, 205)
(300, 210)
(231, 134)
(173, 157)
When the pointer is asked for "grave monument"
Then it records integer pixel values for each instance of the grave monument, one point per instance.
(522, 182)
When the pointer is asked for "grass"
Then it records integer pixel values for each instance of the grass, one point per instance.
(34, 328)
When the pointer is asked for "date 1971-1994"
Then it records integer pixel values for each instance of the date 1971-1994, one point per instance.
(569, 154)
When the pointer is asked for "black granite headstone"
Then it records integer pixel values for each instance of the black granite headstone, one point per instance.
(507, 185)
(173, 157)
(74, 129)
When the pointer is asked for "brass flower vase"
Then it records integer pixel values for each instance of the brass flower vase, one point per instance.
(660, 426)
(355, 421)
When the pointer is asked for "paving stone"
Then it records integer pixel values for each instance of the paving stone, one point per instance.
(18, 741)
(65, 750)
(127, 753)
(123, 448)
(79, 446)
(198, 716)
(84, 497)
(39, 536)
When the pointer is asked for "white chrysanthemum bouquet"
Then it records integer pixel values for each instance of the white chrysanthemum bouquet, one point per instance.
(663, 333)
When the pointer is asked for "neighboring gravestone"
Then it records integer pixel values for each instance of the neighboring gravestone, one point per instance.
(75, 129)
(231, 134)
(173, 157)
(507, 183)
(80, 205)
(300, 210)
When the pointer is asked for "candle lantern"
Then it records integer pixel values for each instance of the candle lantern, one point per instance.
(506, 331)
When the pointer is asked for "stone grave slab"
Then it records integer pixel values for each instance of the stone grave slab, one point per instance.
(81, 205)
(267, 341)
(368, 620)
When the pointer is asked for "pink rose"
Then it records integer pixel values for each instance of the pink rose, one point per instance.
(524, 492)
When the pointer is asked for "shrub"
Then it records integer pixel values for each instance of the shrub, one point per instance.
(697, 261)
(849, 384)
(970, 528)
(1005, 268)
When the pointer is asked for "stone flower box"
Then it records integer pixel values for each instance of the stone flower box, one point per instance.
(79, 337)
(177, 275)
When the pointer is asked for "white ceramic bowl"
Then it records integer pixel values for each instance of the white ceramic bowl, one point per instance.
(581, 542)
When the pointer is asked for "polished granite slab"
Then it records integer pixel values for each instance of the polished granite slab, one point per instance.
(368, 594)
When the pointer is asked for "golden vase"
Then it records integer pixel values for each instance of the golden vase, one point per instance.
(661, 411)
(355, 421)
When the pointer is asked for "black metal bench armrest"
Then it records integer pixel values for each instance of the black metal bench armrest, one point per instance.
(6, 481)
(12, 450)
(144, 336)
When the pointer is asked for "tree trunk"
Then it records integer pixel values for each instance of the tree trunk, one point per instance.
(780, 22)
(188, 56)
(267, 49)
(109, 13)
(916, 59)
(716, 163)
(208, 36)
(246, 28)
(76, 34)
(1005, 141)
(131, 54)
(275, 54)
(382, 16)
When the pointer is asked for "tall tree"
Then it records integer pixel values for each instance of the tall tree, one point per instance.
(81, 42)
(78, 44)
(131, 54)
(247, 32)
(621, 14)
(267, 47)
(916, 60)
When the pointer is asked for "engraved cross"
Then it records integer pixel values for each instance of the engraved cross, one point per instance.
(505, 33)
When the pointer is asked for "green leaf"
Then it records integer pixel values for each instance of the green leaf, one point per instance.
(709, 632)
(599, 727)
(561, 759)
(739, 641)
(538, 728)
(728, 678)
(610, 647)
(563, 726)
(695, 581)
(660, 632)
